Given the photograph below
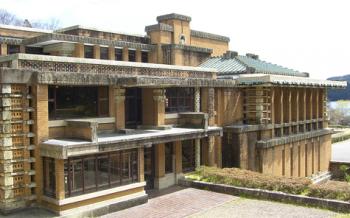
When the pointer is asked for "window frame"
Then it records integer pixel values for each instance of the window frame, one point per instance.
(177, 100)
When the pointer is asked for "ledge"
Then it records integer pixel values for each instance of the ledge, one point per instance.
(292, 138)
(99, 120)
(159, 27)
(174, 16)
(94, 194)
(200, 34)
(331, 204)
(188, 48)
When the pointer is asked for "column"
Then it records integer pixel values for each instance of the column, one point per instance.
(138, 55)
(211, 107)
(59, 172)
(41, 130)
(97, 52)
(178, 157)
(197, 141)
(141, 167)
(159, 160)
(211, 150)
(3, 49)
(125, 54)
(119, 99)
(79, 50)
(159, 106)
(22, 49)
(197, 99)
(111, 53)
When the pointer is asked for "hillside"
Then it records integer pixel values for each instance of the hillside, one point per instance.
(341, 94)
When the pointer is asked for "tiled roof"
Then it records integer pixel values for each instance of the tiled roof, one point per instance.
(231, 64)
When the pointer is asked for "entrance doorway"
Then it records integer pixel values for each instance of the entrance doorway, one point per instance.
(149, 167)
(133, 107)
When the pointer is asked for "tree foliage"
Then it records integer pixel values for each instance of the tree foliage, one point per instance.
(339, 113)
(11, 19)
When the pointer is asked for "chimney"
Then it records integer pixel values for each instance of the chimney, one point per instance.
(253, 56)
(230, 54)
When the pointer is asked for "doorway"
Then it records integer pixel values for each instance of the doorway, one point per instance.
(133, 107)
(149, 167)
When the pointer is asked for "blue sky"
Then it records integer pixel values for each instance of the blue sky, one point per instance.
(307, 35)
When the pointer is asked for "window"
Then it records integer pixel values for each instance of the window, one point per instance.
(49, 177)
(78, 102)
(104, 53)
(88, 51)
(168, 157)
(179, 100)
(13, 49)
(132, 55)
(34, 50)
(98, 172)
(144, 57)
(118, 54)
(188, 156)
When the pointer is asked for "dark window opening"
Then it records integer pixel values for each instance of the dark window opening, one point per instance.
(98, 172)
(144, 57)
(118, 54)
(34, 50)
(188, 156)
(78, 102)
(49, 177)
(13, 49)
(179, 100)
(132, 55)
(104, 53)
(169, 157)
(88, 51)
(133, 107)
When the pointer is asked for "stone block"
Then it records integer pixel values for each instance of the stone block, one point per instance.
(194, 120)
(5, 115)
(5, 89)
(5, 141)
(6, 128)
(5, 102)
(82, 129)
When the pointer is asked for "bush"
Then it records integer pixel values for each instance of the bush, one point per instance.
(331, 190)
(250, 179)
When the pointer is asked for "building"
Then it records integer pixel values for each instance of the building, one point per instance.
(92, 118)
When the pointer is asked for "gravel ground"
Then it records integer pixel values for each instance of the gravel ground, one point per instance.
(249, 208)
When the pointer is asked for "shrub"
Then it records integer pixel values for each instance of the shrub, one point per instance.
(331, 190)
(250, 179)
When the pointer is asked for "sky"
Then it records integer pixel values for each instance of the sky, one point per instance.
(307, 35)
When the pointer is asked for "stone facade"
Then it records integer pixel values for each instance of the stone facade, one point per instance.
(160, 120)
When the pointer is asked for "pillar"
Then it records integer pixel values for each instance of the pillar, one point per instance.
(125, 54)
(3, 49)
(97, 52)
(178, 157)
(138, 55)
(79, 50)
(41, 130)
(159, 160)
(159, 107)
(218, 151)
(197, 99)
(141, 167)
(59, 172)
(211, 150)
(111, 53)
(211, 106)
(197, 141)
(119, 99)
(22, 49)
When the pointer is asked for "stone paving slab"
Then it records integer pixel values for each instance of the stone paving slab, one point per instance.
(249, 208)
(180, 203)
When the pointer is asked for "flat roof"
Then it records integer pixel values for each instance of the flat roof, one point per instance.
(28, 29)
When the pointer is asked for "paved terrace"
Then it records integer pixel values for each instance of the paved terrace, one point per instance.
(63, 148)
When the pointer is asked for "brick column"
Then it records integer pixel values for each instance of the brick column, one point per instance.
(159, 106)
(3, 49)
(41, 131)
(119, 98)
(111, 53)
(211, 106)
(125, 54)
(59, 172)
(79, 50)
(138, 55)
(141, 164)
(178, 157)
(159, 160)
(97, 52)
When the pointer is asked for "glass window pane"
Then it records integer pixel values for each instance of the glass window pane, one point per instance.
(115, 169)
(49, 177)
(188, 156)
(88, 51)
(77, 179)
(103, 171)
(104, 53)
(89, 174)
(126, 170)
